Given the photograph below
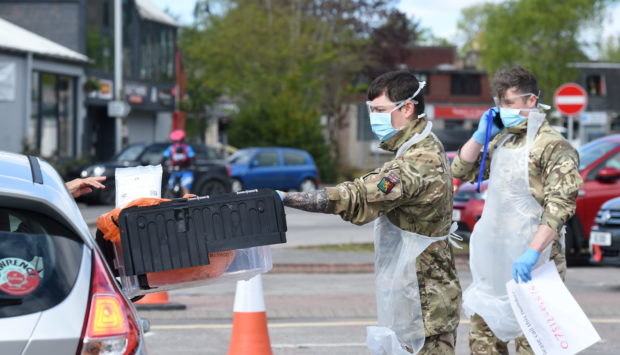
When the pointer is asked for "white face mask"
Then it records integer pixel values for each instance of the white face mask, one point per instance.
(381, 122)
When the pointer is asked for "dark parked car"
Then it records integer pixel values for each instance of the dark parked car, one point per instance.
(605, 235)
(211, 174)
(273, 167)
(57, 294)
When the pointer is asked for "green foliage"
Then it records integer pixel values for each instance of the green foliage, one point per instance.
(541, 35)
(610, 49)
(286, 63)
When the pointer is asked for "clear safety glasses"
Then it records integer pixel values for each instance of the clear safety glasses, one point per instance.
(396, 105)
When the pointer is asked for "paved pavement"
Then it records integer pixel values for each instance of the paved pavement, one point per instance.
(321, 302)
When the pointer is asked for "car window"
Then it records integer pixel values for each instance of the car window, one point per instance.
(294, 158)
(131, 153)
(39, 262)
(590, 152)
(154, 154)
(205, 153)
(267, 159)
(240, 157)
(612, 162)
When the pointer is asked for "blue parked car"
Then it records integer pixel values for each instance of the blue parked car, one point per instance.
(272, 167)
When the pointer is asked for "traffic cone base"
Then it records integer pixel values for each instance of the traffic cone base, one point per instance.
(250, 334)
(158, 301)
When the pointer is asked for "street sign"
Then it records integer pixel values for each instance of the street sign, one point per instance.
(570, 99)
(118, 109)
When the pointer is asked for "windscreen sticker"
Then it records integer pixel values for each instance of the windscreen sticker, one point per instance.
(18, 277)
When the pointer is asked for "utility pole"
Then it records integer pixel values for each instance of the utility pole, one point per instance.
(118, 70)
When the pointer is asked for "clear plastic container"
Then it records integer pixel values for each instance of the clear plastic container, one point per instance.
(225, 266)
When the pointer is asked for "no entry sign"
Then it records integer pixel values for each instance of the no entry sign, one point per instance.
(570, 99)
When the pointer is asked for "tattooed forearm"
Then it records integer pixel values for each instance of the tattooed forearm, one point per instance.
(313, 201)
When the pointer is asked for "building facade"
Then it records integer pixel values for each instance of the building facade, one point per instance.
(40, 99)
(149, 45)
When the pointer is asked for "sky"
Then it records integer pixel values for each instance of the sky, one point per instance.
(440, 16)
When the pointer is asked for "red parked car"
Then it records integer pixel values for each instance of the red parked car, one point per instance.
(600, 169)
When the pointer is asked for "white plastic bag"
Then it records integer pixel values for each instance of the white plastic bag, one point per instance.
(137, 182)
(549, 316)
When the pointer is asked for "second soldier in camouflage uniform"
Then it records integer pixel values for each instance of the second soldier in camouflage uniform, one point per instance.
(553, 182)
(418, 199)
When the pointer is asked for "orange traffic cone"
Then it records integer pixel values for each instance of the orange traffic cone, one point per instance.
(249, 332)
(158, 301)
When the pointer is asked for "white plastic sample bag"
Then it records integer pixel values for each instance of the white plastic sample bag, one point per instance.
(549, 316)
(137, 182)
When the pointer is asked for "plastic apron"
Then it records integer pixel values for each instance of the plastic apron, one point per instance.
(399, 311)
(510, 219)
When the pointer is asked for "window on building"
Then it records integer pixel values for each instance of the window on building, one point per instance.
(157, 51)
(53, 115)
(100, 34)
(465, 84)
(595, 85)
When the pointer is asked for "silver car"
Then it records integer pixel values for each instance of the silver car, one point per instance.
(57, 295)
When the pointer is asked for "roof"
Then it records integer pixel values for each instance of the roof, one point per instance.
(16, 38)
(595, 65)
(19, 189)
(151, 12)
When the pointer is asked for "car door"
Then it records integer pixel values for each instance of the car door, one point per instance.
(265, 170)
(295, 168)
(596, 191)
(44, 284)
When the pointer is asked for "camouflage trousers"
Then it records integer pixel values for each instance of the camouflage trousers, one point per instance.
(482, 341)
(440, 344)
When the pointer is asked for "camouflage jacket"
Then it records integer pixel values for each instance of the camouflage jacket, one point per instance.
(420, 201)
(553, 170)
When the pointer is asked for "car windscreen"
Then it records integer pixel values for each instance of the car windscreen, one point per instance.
(590, 152)
(39, 262)
(153, 154)
(131, 153)
(240, 157)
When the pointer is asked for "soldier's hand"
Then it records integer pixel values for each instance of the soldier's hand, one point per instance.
(480, 134)
(522, 267)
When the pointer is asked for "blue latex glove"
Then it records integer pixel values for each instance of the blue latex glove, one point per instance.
(481, 132)
(522, 267)
(281, 194)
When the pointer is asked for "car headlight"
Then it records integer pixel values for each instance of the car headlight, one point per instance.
(98, 170)
(84, 173)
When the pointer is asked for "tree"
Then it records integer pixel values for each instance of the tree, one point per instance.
(610, 49)
(391, 43)
(541, 35)
(287, 62)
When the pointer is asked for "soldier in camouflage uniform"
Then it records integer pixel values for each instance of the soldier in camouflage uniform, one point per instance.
(414, 191)
(553, 182)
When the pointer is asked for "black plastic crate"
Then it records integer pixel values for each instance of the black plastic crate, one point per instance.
(181, 233)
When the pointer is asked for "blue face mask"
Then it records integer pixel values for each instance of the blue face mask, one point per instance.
(510, 116)
(381, 122)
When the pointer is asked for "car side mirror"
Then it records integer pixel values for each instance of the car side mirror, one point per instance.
(608, 174)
